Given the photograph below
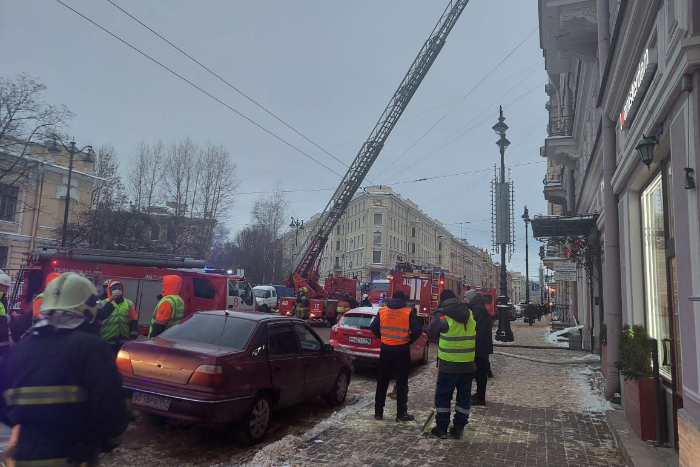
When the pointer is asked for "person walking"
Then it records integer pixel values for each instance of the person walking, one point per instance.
(119, 317)
(170, 308)
(484, 344)
(398, 329)
(455, 328)
(67, 406)
(5, 283)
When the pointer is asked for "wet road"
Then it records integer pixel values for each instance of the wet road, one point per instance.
(189, 444)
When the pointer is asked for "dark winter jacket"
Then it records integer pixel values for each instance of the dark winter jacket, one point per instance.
(458, 311)
(484, 335)
(413, 322)
(90, 412)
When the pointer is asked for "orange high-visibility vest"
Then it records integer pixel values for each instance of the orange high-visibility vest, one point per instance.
(394, 325)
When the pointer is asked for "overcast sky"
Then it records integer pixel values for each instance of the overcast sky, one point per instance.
(328, 68)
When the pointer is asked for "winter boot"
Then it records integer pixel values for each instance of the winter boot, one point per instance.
(457, 431)
(439, 432)
(406, 417)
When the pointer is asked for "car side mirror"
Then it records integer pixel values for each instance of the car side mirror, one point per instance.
(328, 348)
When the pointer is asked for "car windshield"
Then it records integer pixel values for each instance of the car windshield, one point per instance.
(380, 287)
(213, 329)
(260, 293)
(357, 320)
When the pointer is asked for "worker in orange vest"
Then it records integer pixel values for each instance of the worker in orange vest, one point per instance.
(398, 329)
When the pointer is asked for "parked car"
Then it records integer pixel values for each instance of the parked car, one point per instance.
(219, 366)
(352, 336)
(265, 298)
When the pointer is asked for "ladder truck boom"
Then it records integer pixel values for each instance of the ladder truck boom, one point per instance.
(306, 271)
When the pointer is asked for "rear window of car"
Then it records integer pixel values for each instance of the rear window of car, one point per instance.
(357, 320)
(220, 330)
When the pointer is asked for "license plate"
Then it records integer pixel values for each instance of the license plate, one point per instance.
(149, 400)
(360, 340)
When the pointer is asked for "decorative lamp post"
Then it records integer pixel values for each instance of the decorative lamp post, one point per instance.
(298, 225)
(526, 218)
(71, 148)
(646, 149)
(504, 332)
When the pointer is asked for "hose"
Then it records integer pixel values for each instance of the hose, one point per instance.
(551, 362)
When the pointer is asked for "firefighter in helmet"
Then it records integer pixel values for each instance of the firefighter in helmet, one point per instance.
(170, 308)
(302, 304)
(39, 299)
(5, 283)
(68, 405)
(119, 320)
(343, 305)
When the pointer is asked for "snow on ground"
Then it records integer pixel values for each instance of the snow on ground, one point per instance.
(590, 400)
(553, 337)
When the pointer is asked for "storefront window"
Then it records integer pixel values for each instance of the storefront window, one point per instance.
(655, 280)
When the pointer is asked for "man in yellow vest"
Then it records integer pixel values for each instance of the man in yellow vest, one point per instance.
(398, 329)
(454, 327)
(119, 319)
(170, 308)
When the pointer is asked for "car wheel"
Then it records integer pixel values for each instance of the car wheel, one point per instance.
(255, 423)
(339, 391)
(265, 308)
(424, 360)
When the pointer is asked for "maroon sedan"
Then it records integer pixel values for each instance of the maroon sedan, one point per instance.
(219, 366)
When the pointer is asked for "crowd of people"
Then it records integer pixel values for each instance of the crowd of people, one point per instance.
(463, 331)
(61, 391)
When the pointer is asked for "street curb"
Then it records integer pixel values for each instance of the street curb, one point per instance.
(637, 453)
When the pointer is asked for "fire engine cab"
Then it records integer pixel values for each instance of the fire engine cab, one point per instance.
(423, 287)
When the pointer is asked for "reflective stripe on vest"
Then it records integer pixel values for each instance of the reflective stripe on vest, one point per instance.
(394, 325)
(42, 395)
(178, 307)
(458, 344)
(48, 463)
(117, 324)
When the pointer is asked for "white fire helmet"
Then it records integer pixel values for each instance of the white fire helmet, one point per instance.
(71, 292)
(5, 280)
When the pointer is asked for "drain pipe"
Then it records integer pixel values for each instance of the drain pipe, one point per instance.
(612, 297)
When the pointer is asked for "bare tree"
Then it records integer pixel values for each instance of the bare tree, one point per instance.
(269, 215)
(145, 173)
(110, 191)
(25, 119)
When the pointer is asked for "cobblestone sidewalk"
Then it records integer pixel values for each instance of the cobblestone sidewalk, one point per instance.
(538, 415)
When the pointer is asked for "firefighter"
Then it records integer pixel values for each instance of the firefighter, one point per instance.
(343, 305)
(302, 303)
(398, 329)
(455, 328)
(105, 292)
(119, 317)
(5, 283)
(365, 301)
(68, 405)
(170, 308)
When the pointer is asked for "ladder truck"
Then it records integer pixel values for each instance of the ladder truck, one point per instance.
(306, 270)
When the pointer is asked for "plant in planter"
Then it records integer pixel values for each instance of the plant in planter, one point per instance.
(638, 393)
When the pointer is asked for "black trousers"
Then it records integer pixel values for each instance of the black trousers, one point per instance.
(398, 364)
(481, 376)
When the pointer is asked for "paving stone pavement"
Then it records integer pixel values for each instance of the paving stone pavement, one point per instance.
(538, 415)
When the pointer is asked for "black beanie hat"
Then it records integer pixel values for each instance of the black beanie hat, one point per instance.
(447, 294)
(400, 295)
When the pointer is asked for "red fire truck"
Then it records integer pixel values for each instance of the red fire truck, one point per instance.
(423, 287)
(378, 288)
(142, 274)
(490, 295)
(324, 308)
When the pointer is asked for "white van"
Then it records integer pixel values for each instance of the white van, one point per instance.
(265, 298)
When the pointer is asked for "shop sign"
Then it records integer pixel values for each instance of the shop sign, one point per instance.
(565, 266)
(565, 276)
(642, 78)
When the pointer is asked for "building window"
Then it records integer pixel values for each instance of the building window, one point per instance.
(377, 240)
(155, 232)
(413, 248)
(377, 257)
(362, 240)
(337, 229)
(413, 232)
(440, 246)
(377, 219)
(337, 245)
(4, 256)
(439, 259)
(655, 278)
(337, 262)
(8, 202)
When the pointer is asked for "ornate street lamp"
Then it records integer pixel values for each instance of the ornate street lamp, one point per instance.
(526, 218)
(646, 148)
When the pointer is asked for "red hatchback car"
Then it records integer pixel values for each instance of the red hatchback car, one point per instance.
(353, 337)
(219, 366)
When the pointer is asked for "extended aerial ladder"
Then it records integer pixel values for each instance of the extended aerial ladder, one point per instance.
(306, 272)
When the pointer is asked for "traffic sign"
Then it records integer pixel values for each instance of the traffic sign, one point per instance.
(565, 276)
(565, 266)
(535, 287)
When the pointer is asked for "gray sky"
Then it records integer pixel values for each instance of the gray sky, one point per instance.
(326, 67)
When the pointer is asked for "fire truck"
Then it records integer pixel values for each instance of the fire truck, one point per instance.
(490, 295)
(142, 273)
(423, 287)
(305, 271)
(378, 289)
(320, 309)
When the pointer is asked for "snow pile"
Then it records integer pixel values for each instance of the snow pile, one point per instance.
(589, 400)
(270, 454)
(553, 337)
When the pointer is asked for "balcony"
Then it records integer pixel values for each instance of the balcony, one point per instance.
(560, 126)
(554, 189)
(568, 30)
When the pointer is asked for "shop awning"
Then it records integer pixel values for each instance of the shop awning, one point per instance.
(563, 226)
